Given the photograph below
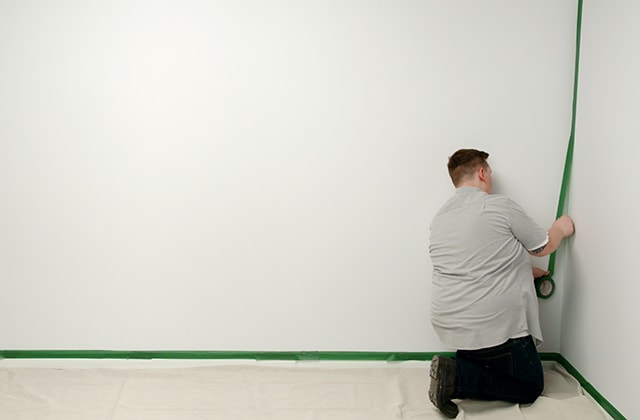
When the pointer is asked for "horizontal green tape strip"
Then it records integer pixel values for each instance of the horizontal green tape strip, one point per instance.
(238, 355)
(218, 355)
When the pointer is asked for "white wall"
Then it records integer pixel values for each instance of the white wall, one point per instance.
(601, 317)
(259, 175)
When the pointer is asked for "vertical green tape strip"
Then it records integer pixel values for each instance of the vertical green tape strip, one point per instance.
(568, 163)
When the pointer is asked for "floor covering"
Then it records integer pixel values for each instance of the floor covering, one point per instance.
(256, 391)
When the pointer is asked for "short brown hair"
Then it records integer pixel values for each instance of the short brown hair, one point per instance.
(464, 162)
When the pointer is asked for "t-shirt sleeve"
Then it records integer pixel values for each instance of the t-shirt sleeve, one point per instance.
(531, 235)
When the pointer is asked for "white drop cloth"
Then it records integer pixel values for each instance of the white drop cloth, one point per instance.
(305, 391)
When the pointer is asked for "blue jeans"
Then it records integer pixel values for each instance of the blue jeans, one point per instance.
(509, 372)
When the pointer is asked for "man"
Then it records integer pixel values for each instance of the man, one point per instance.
(484, 301)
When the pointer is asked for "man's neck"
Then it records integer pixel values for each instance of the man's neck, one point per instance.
(475, 184)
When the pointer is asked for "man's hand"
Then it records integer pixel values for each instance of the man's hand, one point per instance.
(539, 272)
(565, 225)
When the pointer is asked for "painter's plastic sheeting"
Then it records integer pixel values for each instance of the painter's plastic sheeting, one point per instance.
(253, 391)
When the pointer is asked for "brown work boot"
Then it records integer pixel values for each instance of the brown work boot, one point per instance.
(443, 385)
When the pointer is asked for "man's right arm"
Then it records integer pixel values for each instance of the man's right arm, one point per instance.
(559, 230)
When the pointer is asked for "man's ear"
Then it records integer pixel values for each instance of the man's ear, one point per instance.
(482, 174)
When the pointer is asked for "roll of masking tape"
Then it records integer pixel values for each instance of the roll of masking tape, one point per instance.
(545, 287)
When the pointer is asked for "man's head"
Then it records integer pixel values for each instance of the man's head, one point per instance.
(469, 167)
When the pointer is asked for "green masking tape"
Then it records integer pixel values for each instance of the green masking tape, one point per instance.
(545, 286)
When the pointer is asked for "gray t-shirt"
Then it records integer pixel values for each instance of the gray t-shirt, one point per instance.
(483, 290)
